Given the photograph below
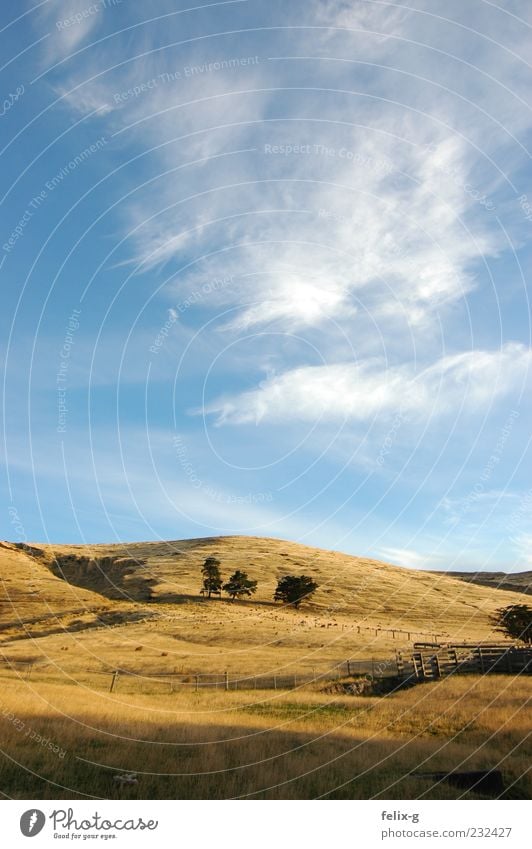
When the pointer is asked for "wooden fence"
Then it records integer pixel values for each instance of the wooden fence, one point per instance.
(428, 661)
(434, 661)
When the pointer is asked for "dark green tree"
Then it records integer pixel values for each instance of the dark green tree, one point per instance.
(240, 585)
(515, 621)
(212, 579)
(293, 589)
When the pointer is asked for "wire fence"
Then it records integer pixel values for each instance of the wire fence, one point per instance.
(433, 660)
(125, 680)
(165, 681)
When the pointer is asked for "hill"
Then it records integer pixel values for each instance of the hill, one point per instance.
(518, 582)
(137, 606)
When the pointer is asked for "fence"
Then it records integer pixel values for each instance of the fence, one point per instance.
(427, 661)
(435, 661)
(164, 681)
(173, 683)
(373, 667)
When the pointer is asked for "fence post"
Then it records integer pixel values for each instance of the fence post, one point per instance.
(399, 663)
(275, 682)
(30, 670)
(226, 680)
(197, 683)
(113, 680)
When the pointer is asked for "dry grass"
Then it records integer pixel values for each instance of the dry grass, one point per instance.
(215, 744)
(57, 623)
(297, 744)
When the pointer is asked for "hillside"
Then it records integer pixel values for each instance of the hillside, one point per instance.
(137, 606)
(519, 582)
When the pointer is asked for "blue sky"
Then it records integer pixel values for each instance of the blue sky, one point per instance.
(265, 270)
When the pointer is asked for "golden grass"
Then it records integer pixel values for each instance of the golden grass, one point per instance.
(288, 745)
(64, 735)
(57, 623)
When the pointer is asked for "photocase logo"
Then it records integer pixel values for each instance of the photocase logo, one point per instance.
(32, 822)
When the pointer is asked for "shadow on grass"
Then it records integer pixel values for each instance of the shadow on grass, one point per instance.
(184, 598)
(218, 761)
(108, 619)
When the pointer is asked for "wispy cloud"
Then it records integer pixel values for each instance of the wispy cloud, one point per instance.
(70, 23)
(522, 546)
(409, 558)
(361, 392)
(351, 171)
(369, 209)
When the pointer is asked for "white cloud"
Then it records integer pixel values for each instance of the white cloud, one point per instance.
(522, 545)
(70, 23)
(408, 558)
(296, 301)
(367, 240)
(478, 506)
(396, 237)
(363, 392)
(363, 16)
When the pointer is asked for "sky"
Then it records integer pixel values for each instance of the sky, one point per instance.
(265, 270)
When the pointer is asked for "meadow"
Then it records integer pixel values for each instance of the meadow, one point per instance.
(72, 615)
(69, 741)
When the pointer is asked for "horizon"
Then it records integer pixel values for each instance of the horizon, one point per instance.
(131, 542)
(264, 273)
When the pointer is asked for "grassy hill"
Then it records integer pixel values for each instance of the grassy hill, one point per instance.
(519, 582)
(138, 606)
(78, 612)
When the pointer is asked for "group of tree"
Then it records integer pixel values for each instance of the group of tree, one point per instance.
(515, 621)
(238, 585)
(291, 589)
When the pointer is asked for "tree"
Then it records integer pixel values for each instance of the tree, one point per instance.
(212, 580)
(293, 589)
(240, 585)
(515, 621)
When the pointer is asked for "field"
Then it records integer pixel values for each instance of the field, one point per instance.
(72, 615)
(138, 607)
(288, 745)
